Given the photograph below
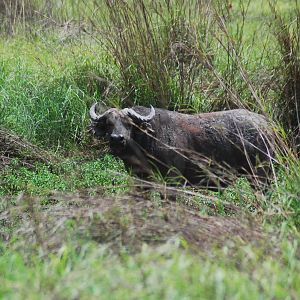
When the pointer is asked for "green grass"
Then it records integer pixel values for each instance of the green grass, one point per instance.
(164, 273)
(46, 89)
(69, 175)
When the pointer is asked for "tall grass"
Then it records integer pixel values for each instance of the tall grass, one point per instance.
(30, 16)
(15, 12)
(194, 56)
(185, 55)
(287, 33)
(46, 112)
(182, 55)
(45, 96)
(161, 48)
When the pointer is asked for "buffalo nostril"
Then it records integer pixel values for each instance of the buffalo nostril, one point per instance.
(117, 137)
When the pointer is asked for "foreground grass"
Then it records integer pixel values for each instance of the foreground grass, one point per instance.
(162, 273)
(82, 268)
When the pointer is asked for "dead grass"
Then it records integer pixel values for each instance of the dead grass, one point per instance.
(126, 221)
(14, 13)
(13, 147)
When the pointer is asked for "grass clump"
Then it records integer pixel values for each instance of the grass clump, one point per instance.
(44, 109)
(160, 49)
(45, 97)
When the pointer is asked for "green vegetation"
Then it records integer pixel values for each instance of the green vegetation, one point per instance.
(74, 225)
(68, 175)
(45, 90)
(166, 273)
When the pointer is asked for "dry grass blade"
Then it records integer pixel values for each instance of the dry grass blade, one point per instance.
(157, 47)
(14, 147)
(15, 12)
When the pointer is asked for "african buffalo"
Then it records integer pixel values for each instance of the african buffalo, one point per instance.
(205, 149)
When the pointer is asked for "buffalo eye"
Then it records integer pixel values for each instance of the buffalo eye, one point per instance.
(98, 129)
(109, 126)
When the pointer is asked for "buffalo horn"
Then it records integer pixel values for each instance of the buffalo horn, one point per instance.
(131, 113)
(93, 114)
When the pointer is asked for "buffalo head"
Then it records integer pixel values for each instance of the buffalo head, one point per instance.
(117, 125)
